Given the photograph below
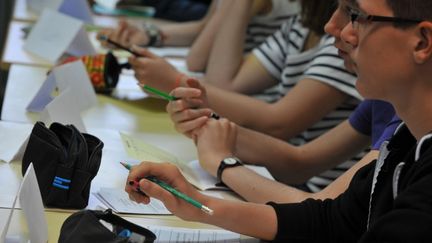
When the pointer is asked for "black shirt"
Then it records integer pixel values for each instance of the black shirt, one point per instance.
(398, 210)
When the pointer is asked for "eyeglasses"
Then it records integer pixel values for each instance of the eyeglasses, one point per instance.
(358, 17)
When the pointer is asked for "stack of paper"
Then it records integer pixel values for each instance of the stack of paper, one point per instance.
(118, 200)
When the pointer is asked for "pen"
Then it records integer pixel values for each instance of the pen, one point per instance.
(172, 191)
(170, 97)
(105, 38)
(146, 87)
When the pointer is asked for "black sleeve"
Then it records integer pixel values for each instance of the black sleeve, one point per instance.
(410, 218)
(340, 220)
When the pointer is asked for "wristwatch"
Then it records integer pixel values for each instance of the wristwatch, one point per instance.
(228, 162)
(155, 35)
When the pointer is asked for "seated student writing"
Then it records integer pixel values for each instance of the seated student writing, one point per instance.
(313, 97)
(390, 43)
(370, 121)
(246, 24)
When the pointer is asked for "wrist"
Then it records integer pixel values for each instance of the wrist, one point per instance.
(155, 36)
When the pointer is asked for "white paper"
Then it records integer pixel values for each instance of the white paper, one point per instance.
(63, 110)
(32, 206)
(180, 65)
(118, 200)
(79, 9)
(170, 51)
(192, 170)
(15, 137)
(174, 234)
(54, 33)
(128, 89)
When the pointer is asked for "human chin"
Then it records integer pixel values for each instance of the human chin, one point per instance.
(364, 89)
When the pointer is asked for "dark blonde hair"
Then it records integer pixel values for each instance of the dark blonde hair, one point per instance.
(316, 13)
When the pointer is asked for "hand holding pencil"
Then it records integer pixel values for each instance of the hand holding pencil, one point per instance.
(170, 187)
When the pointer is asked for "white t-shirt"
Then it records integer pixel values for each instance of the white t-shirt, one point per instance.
(282, 56)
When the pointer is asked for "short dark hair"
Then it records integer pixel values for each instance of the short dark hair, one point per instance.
(411, 9)
(316, 13)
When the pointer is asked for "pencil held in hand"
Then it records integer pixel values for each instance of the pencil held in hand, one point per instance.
(118, 45)
(173, 191)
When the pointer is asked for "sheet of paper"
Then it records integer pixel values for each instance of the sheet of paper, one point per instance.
(53, 34)
(170, 51)
(207, 181)
(138, 149)
(31, 203)
(128, 89)
(118, 200)
(173, 234)
(180, 65)
(193, 172)
(63, 109)
(79, 9)
(16, 135)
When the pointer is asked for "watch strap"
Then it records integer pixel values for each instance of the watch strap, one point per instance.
(223, 166)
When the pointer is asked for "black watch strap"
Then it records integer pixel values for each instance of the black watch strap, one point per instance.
(228, 162)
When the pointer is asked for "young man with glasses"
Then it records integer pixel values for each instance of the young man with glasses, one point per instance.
(388, 200)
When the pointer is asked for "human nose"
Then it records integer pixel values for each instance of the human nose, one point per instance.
(349, 34)
(336, 23)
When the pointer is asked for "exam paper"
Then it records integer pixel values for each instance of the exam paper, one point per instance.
(173, 234)
(192, 171)
(118, 200)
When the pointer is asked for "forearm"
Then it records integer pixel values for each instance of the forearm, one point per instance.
(235, 216)
(227, 51)
(255, 188)
(182, 34)
(297, 164)
(198, 55)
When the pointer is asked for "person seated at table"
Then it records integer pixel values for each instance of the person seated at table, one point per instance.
(388, 200)
(240, 25)
(316, 91)
(369, 124)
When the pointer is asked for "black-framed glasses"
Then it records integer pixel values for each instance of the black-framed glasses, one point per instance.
(358, 17)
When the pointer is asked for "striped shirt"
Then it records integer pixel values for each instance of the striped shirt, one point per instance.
(262, 26)
(282, 56)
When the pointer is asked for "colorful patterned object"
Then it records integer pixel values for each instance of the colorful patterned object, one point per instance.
(103, 70)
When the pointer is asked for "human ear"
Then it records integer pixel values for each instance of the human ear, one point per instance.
(423, 48)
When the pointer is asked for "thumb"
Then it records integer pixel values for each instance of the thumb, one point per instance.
(143, 52)
(193, 83)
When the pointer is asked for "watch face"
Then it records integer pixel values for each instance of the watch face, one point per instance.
(230, 161)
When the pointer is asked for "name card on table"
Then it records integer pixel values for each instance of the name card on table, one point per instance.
(63, 109)
(32, 206)
(54, 34)
(79, 9)
(72, 76)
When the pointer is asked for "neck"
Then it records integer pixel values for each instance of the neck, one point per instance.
(415, 109)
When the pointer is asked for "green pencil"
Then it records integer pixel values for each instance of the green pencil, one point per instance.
(175, 192)
(158, 93)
